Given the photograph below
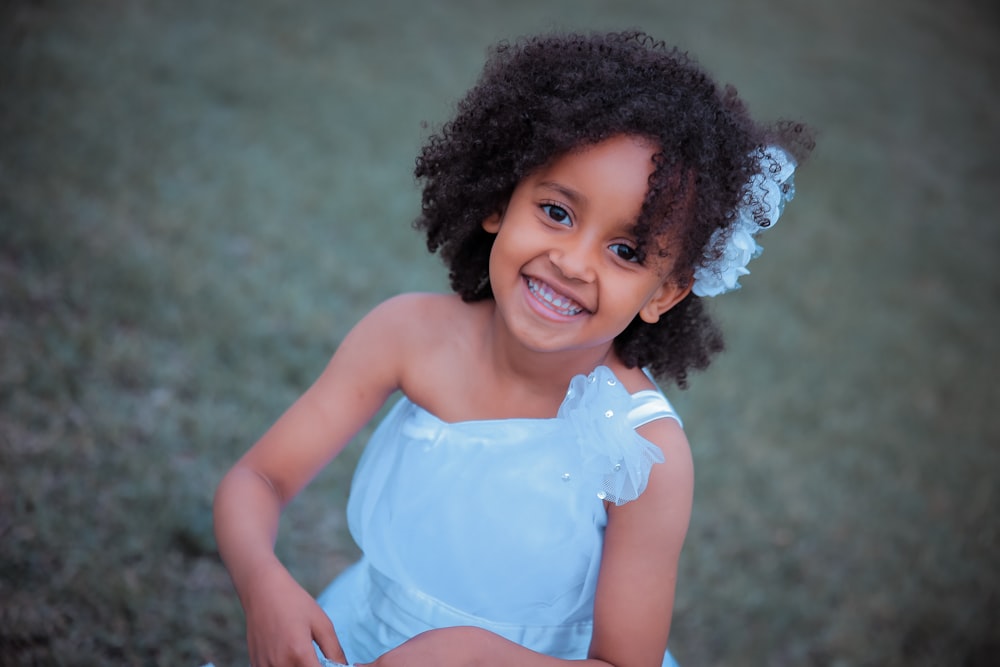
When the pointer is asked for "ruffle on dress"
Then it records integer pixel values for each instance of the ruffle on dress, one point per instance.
(597, 409)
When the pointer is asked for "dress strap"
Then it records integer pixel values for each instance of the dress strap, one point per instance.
(649, 405)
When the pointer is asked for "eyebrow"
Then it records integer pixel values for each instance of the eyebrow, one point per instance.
(575, 198)
(578, 199)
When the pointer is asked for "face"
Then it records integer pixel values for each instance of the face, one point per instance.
(564, 269)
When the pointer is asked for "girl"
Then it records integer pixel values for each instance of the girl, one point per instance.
(526, 500)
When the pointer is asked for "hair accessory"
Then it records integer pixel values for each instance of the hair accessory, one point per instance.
(731, 248)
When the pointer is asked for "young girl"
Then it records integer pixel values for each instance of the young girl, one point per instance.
(526, 500)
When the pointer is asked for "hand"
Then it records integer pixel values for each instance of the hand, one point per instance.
(283, 620)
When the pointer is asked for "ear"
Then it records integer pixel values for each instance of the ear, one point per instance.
(667, 295)
(492, 223)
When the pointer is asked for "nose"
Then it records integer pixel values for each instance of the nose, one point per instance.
(575, 259)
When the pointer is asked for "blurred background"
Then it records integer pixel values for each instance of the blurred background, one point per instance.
(198, 199)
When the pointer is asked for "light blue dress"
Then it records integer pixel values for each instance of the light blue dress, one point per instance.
(496, 523)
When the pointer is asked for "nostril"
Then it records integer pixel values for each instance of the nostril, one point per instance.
(573, 265)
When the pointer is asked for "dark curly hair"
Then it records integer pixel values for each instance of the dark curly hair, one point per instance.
(542, 97)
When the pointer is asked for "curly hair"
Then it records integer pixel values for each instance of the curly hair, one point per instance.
(545, 96)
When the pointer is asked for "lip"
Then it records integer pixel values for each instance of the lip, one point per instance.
(552, 309)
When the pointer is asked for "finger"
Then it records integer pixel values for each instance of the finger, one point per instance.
(326, 638)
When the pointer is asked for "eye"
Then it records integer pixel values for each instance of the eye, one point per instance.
(557, 214)
(625, 252)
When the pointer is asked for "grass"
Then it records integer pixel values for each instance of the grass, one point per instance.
(199, 200)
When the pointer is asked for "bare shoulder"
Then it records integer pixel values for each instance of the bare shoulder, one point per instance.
(417, 311)
(420, 335)
(410, 301)
(666, 433)
(405, 320)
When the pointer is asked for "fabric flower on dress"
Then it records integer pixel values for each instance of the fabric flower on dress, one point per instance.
(767, 193)
(597, 408)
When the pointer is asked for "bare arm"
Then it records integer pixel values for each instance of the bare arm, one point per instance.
(642, 547)
(282, 619)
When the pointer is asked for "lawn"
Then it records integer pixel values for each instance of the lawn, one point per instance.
(198, 199)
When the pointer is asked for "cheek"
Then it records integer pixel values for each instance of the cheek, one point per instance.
(638, 294)
(501, 260)
(511, 245)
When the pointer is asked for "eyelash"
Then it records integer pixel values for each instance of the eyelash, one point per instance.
(633, 252)
(548, 208)
(566, 219)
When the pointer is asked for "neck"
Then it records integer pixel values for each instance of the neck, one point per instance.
(546, 373)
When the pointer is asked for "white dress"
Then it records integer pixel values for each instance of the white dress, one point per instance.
(493, 523)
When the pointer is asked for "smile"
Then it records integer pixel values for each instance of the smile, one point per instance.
(552, 299)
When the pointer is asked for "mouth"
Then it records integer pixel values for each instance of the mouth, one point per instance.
(554, 301)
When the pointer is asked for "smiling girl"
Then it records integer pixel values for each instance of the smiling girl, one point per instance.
(526, 499)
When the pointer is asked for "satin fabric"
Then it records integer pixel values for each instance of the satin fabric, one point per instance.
(494, 523)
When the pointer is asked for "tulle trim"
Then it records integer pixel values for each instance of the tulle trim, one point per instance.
(597, 408)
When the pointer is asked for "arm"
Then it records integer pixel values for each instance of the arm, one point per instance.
(642, 547)
(282, 618)
(635, 591)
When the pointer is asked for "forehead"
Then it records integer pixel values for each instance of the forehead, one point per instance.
(611, 174)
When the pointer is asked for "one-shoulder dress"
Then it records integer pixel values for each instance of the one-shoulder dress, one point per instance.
(494, 523)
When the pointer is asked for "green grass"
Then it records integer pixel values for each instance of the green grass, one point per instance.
(198, 201)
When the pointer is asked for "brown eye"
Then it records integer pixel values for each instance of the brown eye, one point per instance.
(625, 252)
(556, 214)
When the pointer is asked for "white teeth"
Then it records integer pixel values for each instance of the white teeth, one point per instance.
(559, 304)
